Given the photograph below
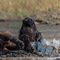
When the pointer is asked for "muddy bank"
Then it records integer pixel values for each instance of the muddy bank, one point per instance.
(20, 53)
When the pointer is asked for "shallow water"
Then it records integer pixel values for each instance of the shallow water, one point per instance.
(49, 32)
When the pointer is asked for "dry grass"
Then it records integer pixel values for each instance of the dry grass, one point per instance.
(38, 9)
(28, 5)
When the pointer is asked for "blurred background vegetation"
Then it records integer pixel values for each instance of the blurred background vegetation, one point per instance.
(43, 11)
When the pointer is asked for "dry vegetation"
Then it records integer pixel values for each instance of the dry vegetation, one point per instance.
(43, 10)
